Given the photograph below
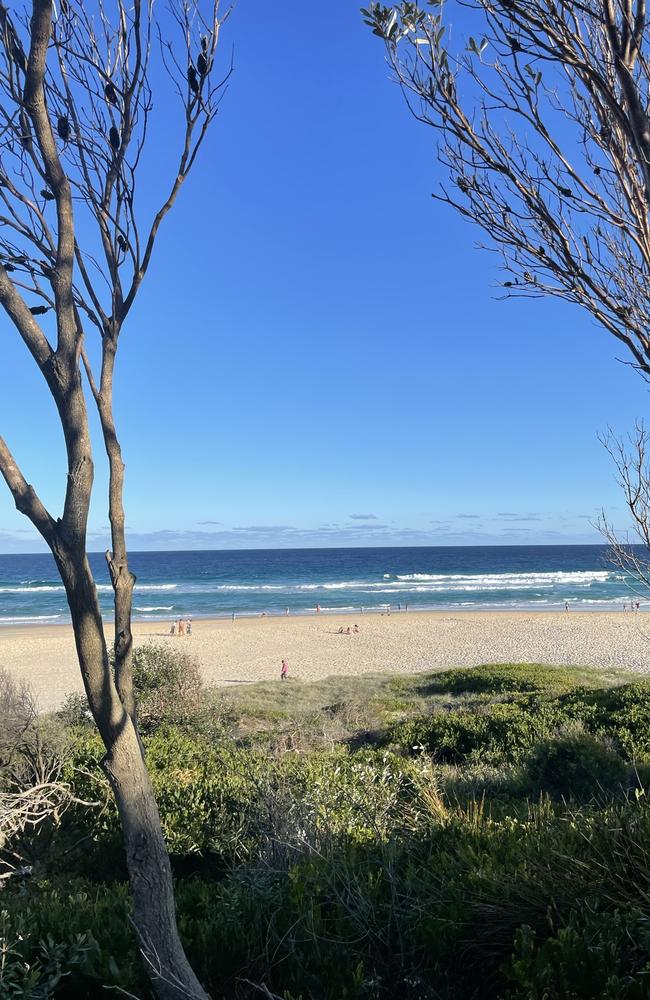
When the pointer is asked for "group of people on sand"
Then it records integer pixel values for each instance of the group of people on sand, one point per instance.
(182, 626)
(348, 631)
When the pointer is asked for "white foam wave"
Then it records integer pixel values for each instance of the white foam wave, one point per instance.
(455, 582)
(156, 607)
(16, 619)
(515, 579)
(31, 590)
(331, 607)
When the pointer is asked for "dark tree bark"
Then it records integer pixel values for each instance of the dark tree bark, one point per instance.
(58, 81)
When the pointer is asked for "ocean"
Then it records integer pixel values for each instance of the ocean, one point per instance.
(216, 584)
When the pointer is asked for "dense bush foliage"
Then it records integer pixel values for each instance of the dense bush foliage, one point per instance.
(485, 835)
(168, 685)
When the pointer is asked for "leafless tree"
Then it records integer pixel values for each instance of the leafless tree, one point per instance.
(542, 124)
(630, 550)
(77, 83)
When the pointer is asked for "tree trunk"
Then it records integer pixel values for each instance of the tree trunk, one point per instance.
(154, 912)
(147, 859)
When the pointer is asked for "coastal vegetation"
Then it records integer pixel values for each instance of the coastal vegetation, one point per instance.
(469, 833)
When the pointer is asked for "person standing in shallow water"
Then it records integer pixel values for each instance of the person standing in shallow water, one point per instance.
(284, 671)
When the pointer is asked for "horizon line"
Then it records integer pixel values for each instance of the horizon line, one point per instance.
(330, 548)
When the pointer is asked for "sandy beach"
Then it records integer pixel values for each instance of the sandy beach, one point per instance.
(251, 649)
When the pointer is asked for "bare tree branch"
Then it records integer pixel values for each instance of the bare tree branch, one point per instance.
(631, 552)
(541, 122)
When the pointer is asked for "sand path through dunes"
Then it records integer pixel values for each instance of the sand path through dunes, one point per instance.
(252, 649)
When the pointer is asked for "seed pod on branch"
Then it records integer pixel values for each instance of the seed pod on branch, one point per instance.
(63, 128)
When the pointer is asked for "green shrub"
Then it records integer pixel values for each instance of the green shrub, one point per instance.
(168, 686)
(74, 711)
(503, 732)
(35, 970)
(577, 765)
(621, 713)
(495, 679)
(596, 955)
(71, 942)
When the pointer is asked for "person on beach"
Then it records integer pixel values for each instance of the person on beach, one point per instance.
(318, 609)
(284, 671)
(233, 616)
(188, 627)
(356, 629)
(181, 627)
(172, 630)
(566, 605)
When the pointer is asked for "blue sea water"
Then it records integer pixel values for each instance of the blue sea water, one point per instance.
(214, 584)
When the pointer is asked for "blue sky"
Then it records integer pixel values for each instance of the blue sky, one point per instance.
(318, 357)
